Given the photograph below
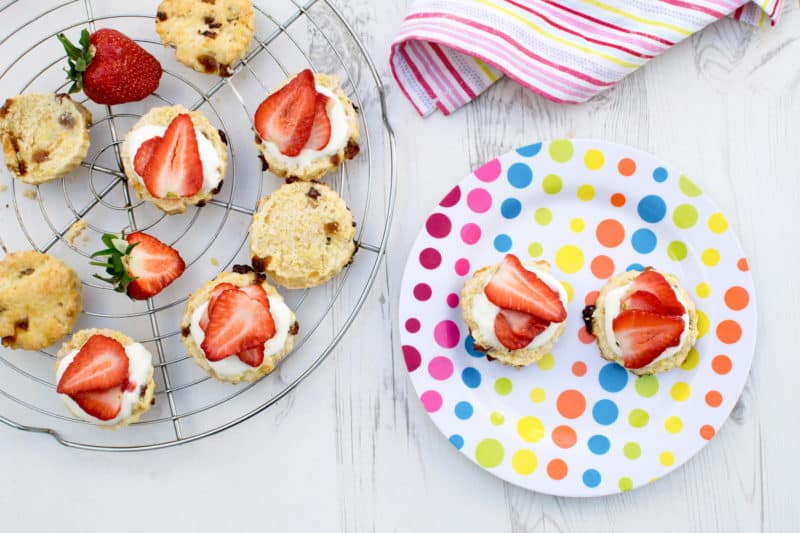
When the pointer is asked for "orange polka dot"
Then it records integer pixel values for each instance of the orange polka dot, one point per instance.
(564, 437)
(617, 199)
(721, 364)
(571, 403)
(591, 297)
(557, 469)
(714, 398)
(602, 266)
(742, 264)
(737, 298)
(729, 331)
(626, 166)
(579, 368)
(610, 233)
(707, 432)
(585, 337)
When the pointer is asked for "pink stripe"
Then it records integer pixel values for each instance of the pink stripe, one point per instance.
(445, 90)
(421, 80)
(392, 58)
(452, 70)
(695, 7)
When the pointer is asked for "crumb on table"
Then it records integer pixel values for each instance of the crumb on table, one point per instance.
(75, 231)
(214, 261)
(30, 194)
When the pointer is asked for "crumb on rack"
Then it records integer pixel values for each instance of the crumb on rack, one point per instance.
(214, 261)
(75, 231)
(30, 194)
(3, 187)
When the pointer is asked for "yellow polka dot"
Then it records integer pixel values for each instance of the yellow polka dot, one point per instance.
(680, 391)
(710, 257)
(497, 419)
(666, 459)
(524, 462)
(594, 159)
(569, 289)
(577, 225)
(537, 395)
(652, 480)
(585, 192)
(569, 259)
(530, 429)
(703, 290)
(692, 359)
(673, 424)
(702, 324)
(547, 362)
(717, 223)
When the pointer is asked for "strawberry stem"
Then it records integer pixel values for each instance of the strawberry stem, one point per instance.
(78, 59)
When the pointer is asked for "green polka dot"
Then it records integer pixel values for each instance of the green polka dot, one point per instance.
(689, 188)
(631, 450)
(535, 249)
(561, 151)
(677, 251)
(646, 386)
(692, 359)
(543, 216)
(502, 386)
(489, 453)
(552, 184)
(497, 418)
(684, 216)
(625, 484)
(638, 418)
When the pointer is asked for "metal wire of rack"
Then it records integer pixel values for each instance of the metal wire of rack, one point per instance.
(298, 34)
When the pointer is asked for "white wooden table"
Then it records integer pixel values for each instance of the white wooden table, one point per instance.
(353, 450)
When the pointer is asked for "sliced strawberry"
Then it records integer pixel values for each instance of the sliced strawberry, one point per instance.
(144, 153)
(253, 356)
(175, 169)
(236, 323)
(654, 283)
(100, 364)
(644, 301)
(643, 336)
(287, 115)
(152, 264)
(257, 293)
(212, 299)
(517, 289)
(104, 405)
(516, 330)
(321, 130)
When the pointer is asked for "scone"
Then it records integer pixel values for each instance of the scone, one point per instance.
(515, 313)
(105, 378)
(174, 157)
(40, 300)
(643, 321)
(302, 235)
(209, 35)
(237, 326)
(306, 128)
(45, 136)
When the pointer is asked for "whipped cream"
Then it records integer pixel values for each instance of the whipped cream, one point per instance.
(232, 366)
(484, 313)
(340, 134)
(140, 372)
(212, 165)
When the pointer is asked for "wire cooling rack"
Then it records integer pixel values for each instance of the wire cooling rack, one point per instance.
(290, 35)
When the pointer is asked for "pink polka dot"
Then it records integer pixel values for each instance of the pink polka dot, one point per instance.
(422, 291)
(440, 368)
(446, 334)
(412, 325)
(430, 258)
(452, 197)
(490, 171)
(479, 200)
(462, 267)
(438, 225)
(432, 401)
(452, 300)
(412, 357)
(470, 233)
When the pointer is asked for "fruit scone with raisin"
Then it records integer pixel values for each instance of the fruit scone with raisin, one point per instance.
(105, 378)
(237, 327)
(307, 128)
(644, 321)
(515, 312)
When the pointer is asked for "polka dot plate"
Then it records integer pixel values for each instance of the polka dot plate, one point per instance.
(574, 424)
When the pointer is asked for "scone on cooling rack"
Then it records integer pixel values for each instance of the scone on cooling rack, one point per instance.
(105, 378)
(306, 128)
(210, 35)
(515, 313)
(44, 136)
(174, 157)
(302, 234)
(40, 300)
(237, 326)
(643, 321)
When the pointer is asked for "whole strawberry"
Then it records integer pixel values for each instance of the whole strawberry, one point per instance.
(110, 67)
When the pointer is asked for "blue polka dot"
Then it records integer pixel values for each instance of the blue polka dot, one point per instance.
(510, 208)
(599, 444)
(644, 241)
(613, 377)
(469, 345)
(520, 175)
(457, 441)
(635, 266)
(605, 412)
(502, 243)
(652, 208)
(471, 377)
(660, 174)
(463, 410)
(591, 478)
(530, 150)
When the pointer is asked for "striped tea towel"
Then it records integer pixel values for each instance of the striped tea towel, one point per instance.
(449, 51)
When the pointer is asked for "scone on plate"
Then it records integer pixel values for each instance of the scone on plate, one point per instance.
(44, 136)
(105, 378)
(306, 128)
(40, 300)
(237, 326)
(174, 157)
(643, 321)
(210, 35)
(302, 234)
(515, 313)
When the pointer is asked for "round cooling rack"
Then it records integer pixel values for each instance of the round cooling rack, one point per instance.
(290, 36)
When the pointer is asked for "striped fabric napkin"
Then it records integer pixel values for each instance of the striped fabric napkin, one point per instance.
(449, 51)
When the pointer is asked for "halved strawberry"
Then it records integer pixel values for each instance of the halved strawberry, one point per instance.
(236, 323)
(175, 169)
(144, 153)
(643, 336)
(253, 356)
(654, 283)
(154, 265)
(516, 330)
(104, 405)
(100, 364)
(287, 115)
(321, 130)
(517, 289)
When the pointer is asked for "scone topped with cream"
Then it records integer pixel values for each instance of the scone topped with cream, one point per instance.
(643, 321)
(306, 128)
(515, 312)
